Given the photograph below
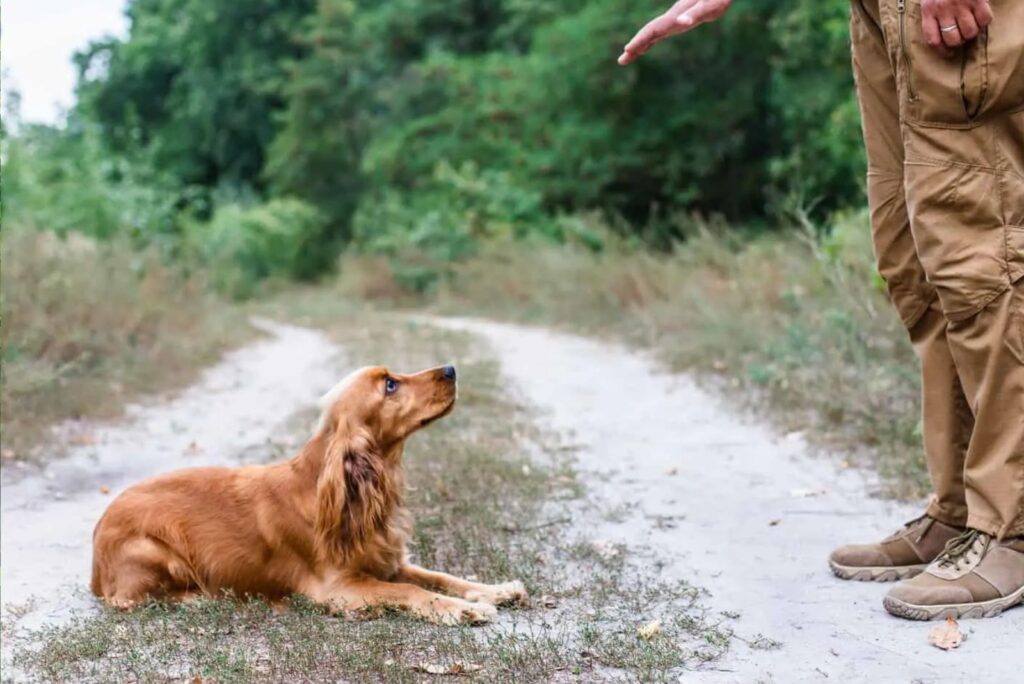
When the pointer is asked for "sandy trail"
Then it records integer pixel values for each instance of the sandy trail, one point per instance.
(748, 515)
(47, 519)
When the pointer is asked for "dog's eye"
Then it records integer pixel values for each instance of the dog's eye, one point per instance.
(390, 386)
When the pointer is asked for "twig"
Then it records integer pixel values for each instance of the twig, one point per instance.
(550, 523)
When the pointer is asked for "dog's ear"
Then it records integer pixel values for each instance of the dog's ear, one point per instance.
(351, 495)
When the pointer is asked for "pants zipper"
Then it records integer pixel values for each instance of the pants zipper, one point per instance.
(901, 8)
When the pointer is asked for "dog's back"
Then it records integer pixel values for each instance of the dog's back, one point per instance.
(201, 530)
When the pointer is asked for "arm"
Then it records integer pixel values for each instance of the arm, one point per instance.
(680, 18)
(946, 23)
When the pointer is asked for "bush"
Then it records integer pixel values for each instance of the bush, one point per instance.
(448, 218)
(242, 246)
(62, 180)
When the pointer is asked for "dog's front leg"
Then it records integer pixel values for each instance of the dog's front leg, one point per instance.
(367, 592)
(495, 594)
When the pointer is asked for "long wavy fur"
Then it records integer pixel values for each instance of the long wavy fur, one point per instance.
(357, 496)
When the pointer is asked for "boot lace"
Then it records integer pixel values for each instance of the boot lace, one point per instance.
(957, 549)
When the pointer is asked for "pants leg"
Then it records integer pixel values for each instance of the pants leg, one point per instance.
(962, 124)
(946, 418)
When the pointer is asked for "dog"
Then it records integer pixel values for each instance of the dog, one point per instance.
(328, 524)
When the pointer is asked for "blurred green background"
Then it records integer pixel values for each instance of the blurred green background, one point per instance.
(260, 139)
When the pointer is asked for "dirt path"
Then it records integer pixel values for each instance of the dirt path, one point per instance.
(47, 520)
(727, 504)
(743, 512)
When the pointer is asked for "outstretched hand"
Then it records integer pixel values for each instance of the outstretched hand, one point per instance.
(680, 18)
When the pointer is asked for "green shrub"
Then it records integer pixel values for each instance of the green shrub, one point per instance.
(447, 219)
(63, 180)
(242, 246)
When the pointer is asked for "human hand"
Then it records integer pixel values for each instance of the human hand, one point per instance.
(680, 18)
(951, 23)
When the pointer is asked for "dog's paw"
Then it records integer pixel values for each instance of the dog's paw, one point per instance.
(459, 612)
(478, 613)
(503, 594)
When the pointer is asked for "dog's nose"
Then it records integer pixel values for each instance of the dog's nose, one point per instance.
(448, 372)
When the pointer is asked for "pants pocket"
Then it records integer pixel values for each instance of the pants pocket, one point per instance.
(933, 82)
(1003, 59)
(979, 79)
(968, 252)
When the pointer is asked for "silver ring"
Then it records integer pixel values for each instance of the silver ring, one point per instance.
(947, 29)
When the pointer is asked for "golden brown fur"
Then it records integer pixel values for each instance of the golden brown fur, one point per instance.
(329, 523)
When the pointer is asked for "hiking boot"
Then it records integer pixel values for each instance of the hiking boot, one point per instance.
(900, 556)
(975, 577)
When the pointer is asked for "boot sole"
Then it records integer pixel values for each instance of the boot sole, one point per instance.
(875, 574)
(959, 611)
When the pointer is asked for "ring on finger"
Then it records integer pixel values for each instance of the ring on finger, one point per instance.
(947, 29)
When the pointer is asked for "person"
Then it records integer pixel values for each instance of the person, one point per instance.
(941, 91)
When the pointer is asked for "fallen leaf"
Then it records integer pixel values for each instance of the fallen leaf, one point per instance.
(198, 679)
(946, 636)
(605, 549)
(104, 489)
(83, 439)
(456, 668)
(719, 365)
(650, 630)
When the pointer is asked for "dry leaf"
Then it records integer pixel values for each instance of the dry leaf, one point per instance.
(104, 489)
(719, 365)
(198, 679)
(83, 439)
(456, 668)
(946, 636)
(605, 549)
(650, 630)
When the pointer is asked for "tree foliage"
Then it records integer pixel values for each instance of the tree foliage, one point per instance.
(410, 126)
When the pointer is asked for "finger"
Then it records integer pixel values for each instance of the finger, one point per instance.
(703, 11)
(968, 26)
(651, 33)
(950, 31)
(933, 36)
(983, 14)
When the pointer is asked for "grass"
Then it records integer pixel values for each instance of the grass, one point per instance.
(493, 497)
(799, 326)
(87, 327)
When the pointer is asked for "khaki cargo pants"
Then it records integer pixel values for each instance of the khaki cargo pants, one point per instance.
(945, 144)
